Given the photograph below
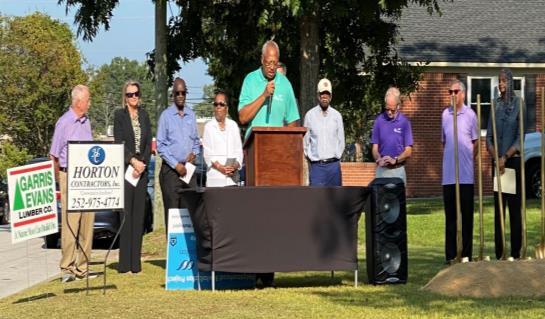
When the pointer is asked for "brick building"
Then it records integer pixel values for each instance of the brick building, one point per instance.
(471, 41)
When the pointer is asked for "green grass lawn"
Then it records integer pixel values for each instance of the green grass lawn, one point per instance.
(299, 295)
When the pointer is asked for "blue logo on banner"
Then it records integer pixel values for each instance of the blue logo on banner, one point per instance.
(96, 155)
(182, 271)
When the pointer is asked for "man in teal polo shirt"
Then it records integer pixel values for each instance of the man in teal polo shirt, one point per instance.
(267, 98)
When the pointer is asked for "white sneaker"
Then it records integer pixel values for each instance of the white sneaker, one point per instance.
(67, 278)
(92, 275)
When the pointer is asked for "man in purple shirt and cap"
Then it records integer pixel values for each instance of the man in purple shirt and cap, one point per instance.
(467, 135)
(73, 125)
(392, 138)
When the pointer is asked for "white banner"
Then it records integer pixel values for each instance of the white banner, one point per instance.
(32, 200)
(95, 176)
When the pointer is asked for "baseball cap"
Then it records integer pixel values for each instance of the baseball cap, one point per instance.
(324, 85)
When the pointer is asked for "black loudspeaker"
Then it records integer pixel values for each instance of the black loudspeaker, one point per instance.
(386, 232)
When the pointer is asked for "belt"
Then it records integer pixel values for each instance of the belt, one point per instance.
(326, 161)
(398, 165)
(62, 169)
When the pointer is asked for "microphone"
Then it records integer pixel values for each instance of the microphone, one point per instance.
(269, 105)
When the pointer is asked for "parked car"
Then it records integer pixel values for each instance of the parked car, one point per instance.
(107, 221)
(532, 158)
(4, 203)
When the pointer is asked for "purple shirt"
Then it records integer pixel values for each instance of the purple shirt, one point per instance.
(392, 135)
(177, 135)
(69, 128)
(467, 134)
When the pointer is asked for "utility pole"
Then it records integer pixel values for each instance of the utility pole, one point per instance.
(161, 100)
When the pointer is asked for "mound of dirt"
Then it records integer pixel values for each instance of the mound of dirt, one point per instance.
(489, 279)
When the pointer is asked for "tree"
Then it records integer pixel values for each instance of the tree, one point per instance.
(11, 156)
(349, 41)
(39, 65)
(205, 108)
(107, 85)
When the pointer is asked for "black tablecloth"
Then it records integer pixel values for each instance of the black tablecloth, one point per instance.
(268, 229)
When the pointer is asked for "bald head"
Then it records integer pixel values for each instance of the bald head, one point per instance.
(270, 54)
(179, 92)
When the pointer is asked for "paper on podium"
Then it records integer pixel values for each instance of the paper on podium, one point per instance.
(129, 178)
(508, 182)
(190, 169)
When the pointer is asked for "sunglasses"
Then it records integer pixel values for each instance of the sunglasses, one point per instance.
(216, 104)
(132, 94)
(180, 93)
(450, 92)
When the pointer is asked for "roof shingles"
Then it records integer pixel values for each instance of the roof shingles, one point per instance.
(508, 31)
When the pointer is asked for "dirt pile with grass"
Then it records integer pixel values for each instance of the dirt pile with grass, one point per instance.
(489, 279)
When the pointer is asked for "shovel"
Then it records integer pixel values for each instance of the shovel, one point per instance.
(498, 179)
(480, 178)
(540, 249)
(459, 242)
(522, 180)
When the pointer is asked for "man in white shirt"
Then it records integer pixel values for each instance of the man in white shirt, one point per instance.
(324, 140)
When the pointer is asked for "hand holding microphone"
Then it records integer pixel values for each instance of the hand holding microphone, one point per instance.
(269, 89)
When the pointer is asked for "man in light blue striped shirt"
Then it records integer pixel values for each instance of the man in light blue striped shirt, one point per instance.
(324, 140)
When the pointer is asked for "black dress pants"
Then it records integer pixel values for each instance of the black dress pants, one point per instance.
(171, 184)
(513, 202)
(130, 238)
(466, 206)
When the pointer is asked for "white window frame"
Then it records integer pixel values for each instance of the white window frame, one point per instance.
(493, 90)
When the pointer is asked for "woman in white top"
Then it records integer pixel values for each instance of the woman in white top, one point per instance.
(222, 146)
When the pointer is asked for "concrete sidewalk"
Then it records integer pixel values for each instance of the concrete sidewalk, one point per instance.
(25, 264)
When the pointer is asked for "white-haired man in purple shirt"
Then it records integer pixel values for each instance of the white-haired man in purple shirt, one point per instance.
(467, 136)
(73, 125)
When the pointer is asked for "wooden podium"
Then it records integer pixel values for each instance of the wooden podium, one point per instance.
(274, 156)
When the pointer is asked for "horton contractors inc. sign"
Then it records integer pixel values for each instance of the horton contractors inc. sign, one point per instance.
(32, 200)
(95, 176)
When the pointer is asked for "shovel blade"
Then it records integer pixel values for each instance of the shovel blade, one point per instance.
(540, 251)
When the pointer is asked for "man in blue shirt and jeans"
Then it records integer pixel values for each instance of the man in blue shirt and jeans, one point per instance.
(177, 144)
(324, 140)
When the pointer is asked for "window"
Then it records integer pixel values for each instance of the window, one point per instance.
(487, 87)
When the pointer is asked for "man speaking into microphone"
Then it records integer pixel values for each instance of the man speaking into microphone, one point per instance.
(266, 97)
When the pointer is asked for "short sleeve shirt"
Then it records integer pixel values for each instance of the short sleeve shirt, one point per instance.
(392, 135)
(69, 128)
(467, 134)
(283, 106)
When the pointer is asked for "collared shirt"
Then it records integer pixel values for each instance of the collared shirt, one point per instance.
(392, 135)
(69, 128)
(177, 135)
(283, 109)
(218, 146)
(467, 134)
(325, 135)
(507, 125)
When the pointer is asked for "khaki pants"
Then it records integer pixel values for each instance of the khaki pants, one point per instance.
(74, 225)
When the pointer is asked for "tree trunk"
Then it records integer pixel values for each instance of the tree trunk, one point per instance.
(161, 100)
(310, 60)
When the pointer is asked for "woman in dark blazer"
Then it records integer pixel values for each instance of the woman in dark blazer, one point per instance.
(132, 126)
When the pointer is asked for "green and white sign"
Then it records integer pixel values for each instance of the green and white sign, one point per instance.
(33, 201)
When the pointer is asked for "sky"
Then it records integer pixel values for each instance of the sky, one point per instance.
(131, 35)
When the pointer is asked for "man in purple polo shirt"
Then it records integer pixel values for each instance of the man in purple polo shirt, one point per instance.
(392, 138)
(73, 125)
(467, 135)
